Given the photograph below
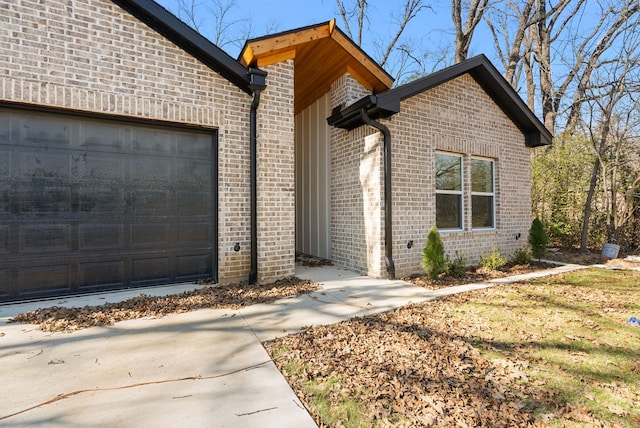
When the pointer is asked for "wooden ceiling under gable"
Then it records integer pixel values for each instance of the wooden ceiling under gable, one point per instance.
(322, 53)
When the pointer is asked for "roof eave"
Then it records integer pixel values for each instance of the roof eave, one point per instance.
(488, 77)
(167, 24)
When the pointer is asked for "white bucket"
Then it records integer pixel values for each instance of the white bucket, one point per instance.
(610, 250)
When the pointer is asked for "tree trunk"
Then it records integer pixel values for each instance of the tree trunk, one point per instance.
(587, 206)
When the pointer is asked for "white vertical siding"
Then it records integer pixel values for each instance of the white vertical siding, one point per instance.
(313, 173)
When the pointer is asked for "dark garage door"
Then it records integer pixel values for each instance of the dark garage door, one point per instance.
(89, 204)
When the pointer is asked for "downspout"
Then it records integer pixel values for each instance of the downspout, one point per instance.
(388, 224)
(257, 85)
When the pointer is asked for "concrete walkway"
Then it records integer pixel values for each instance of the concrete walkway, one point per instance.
(205, 368)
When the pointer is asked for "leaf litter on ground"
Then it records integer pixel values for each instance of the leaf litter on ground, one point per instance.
(231, 296)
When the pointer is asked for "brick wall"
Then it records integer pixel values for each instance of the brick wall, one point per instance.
(276, 175)
(459, 117)
(357, 219)
(93, 56)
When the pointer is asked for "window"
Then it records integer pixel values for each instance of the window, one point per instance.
(449, 203)
(482, 194)
(452, 192)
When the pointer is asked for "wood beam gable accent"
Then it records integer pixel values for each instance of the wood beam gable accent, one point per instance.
(322, 54)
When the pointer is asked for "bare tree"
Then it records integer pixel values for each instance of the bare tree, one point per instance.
(225, 30)
(355, 18)
(560, 31)
(611, 114)
(465, 28)
(514, 43)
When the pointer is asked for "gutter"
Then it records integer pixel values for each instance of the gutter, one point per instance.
(257, 83)
(388, 223)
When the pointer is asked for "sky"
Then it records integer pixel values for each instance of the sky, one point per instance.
(283, 15)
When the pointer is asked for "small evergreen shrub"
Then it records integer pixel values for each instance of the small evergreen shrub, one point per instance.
(492, 261)
(433, 260)
(458, 266)
(522, 256)
(538, 239)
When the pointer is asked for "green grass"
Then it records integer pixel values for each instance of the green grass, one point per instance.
(332, 406)
(572, 330)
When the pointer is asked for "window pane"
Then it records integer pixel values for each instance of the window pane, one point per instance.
(448, 211)
(481, 176)
(482, 211)
(448, 172)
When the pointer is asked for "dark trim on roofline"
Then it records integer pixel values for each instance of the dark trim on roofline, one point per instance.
(167, 24)
(480, 68)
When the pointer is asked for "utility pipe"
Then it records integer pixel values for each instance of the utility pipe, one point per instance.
(257, 85)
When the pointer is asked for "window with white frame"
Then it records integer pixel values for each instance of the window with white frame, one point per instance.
(449, 191)
(482, 194)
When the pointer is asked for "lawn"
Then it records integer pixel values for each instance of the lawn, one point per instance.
(552, 352)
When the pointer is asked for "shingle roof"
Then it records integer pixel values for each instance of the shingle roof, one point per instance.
(387, 103)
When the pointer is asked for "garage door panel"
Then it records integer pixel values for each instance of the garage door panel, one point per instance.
(5, 156)
(5, 192)
(194, 173)
(152, 170)
(150, 235)
(46, 237)
(46, 131)
(38, 163)
(101, 136)
(161, 202)
(90, 204)
(100, 167)
(150, 269)
(47, 277)
(4, 238)
(194, 203)
(101, 236)
(43, 197)
(188, 266)
(194, 145)
(108, 272)
(194, 233)
(154, 141)
(102, 201)
(5, 281)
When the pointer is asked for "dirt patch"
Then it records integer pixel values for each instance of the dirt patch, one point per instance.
(233, 296)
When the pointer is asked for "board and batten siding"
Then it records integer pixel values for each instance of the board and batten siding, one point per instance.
(313, 180)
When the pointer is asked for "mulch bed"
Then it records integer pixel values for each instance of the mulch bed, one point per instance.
(477, 274)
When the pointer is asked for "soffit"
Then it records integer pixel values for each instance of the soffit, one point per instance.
(321, 53)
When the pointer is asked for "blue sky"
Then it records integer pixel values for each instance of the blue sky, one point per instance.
(289, 14)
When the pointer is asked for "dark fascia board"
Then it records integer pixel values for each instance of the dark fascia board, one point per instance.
(488, 77)
(167, 24)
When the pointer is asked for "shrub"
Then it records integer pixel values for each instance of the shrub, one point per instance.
(458, 266)
(492, 261)
(538, 239)
(433, 259)
(522, 256)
